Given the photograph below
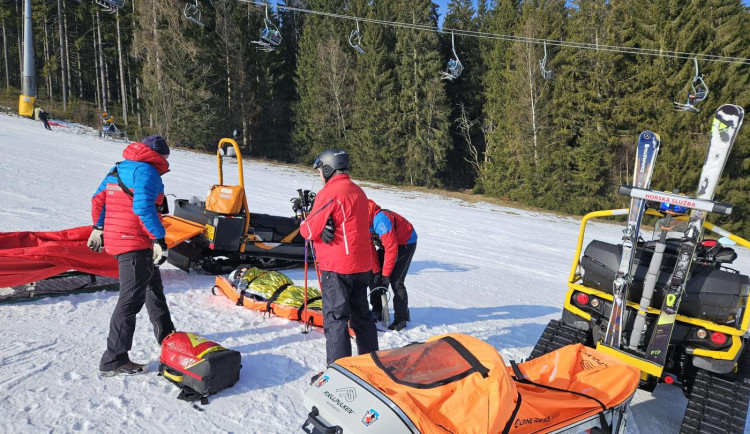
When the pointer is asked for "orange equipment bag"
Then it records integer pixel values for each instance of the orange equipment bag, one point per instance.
(457, 383)
(225, 199)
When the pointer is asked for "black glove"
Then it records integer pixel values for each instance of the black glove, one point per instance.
(327, 234)
(160, 251)
(377, 281)
(385, 281)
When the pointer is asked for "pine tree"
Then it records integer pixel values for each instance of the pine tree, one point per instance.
(464, 94)
(374, 141)
(423, 124)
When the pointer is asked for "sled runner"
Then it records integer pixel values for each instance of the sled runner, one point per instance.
(457, 383)
(34, 264)
(220, 234)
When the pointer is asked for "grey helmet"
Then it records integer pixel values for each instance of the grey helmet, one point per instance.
(330, 161)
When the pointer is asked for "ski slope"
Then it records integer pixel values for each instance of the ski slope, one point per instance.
(494, 272)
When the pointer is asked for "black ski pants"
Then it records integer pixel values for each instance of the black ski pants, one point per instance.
(398, 277)
(345, 301)
(140, 283)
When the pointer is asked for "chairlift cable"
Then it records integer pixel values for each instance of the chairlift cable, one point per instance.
(511, 38)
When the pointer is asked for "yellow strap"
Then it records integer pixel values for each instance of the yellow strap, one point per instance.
(177, 378)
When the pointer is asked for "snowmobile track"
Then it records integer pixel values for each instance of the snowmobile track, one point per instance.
(557, 335)
(718, 404)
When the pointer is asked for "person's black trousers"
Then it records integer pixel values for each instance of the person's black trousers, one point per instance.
(398, 277)
(345, 301)
(140, 283)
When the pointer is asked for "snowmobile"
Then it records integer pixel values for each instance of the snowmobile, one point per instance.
(708, 354)
(220, 234)
(457, 383)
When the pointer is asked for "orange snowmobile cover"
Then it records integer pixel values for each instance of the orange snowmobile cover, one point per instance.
(27, 257)
(313, 317)
(179, 229)
(457, 383)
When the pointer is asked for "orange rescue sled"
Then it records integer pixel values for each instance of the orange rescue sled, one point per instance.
(456, 383)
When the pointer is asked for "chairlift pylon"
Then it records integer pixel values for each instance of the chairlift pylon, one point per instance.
(543, 64)
(193, 13)
(110, 5)
(698, 92)
(455, 67)
(270, 36)
(355, 40)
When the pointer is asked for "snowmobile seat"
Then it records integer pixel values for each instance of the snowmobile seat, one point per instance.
(713, 292)
(272, 228)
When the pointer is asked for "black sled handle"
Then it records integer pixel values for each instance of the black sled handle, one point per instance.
(676, 199)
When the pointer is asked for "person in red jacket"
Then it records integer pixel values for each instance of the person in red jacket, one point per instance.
(393, 247)
(126, 210)
(338, 227)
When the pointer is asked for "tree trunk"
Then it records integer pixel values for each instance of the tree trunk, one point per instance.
(138, 100)
(123, 92)
(96, 67)
(46, 59)
(63, 56)
(5, 57)
(67, 51)
(19, 38)
(104, 90)
(80, 74)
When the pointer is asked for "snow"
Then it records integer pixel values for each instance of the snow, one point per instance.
(494, 272)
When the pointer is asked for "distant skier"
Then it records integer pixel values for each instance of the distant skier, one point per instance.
(44, 117)
(394, 244)
(128, 226)
(338, 226)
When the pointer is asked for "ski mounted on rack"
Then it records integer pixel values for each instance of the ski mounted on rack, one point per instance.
(645, 159)
(726, 125)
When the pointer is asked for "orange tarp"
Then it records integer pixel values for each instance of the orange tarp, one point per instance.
(179, 230)
(440, 391)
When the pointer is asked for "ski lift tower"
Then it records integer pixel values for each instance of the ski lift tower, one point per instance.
(28, 86)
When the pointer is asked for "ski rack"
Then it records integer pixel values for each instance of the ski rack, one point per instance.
(455, 67)
(270, 36)
(356, 36)
(697, 95)
(677, 199)
(543, 64)
(193, 13)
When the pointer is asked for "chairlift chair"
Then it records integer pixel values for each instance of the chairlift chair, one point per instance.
(355, 40)
(270, 36)
(455, 67)
(543, 64)
(193, 13)
(110, 5)
(698, 92)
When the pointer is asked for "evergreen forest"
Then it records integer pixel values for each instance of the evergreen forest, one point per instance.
(561, 138)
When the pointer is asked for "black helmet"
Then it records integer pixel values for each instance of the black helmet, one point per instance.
(330, 161)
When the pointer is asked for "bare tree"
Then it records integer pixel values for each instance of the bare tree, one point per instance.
(123, 93)
(5, 56)
(104, 90)
(63, 55)
(335, 66)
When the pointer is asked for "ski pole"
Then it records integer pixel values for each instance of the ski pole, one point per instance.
(304, 328)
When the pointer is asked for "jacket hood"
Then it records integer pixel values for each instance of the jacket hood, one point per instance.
(373, 208)
(137, 151)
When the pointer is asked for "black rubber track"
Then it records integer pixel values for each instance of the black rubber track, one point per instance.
(557, 335)
(718, 403)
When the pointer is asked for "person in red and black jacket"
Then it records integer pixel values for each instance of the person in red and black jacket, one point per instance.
(394, 244)
(338, 226)
(126, 210)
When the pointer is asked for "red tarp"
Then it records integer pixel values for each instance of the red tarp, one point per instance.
(27, 257)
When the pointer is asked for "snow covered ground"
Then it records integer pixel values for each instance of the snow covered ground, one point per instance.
(494, 272)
